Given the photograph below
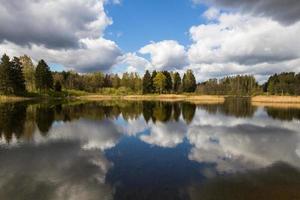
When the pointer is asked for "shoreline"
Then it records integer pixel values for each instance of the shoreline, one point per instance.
(161, 97)
(255, 100)
(275, 99)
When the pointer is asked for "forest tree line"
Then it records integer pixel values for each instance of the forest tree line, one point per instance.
(19, 76)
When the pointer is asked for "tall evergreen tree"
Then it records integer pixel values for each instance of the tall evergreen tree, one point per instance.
(16, 77)
(169, 83)
(5, 81)
(176, 82)
(147, 83)
(57, 86)
(43, 76)
(154, 73)
(189, 82)
(125, 80)
(116, 81)
(107, 81)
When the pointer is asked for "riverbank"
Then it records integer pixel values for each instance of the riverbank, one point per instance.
(161, 97)
(276, 99)
(256, 100)
(4, 98)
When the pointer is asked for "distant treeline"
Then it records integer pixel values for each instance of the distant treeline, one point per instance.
(19, 76)
(237, 85)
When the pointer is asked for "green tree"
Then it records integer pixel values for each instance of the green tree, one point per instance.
(28, 71)
(16, 76)
(57, 86)
(138, 83)
(147, 83)
(189, 82)
(169, 83)
(107, 81)
(125, 81)
(115, 81)
(160, 82)
(176, 82)
(5, 82)
(43, 76)
(154, 73)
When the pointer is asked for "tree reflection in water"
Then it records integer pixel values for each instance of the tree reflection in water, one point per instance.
(19, 119)
(148, 150)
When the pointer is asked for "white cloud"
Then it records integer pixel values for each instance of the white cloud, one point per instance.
(135, 63)
(238, 43)
(67, 32)
(235, 144)
(211, 13)
(165, 135)
(285, 12)
(97, 54)
(166, 54)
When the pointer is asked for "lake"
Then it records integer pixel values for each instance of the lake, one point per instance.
(149, 150)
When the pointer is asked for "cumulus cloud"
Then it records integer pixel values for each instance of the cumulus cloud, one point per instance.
(243, 39)
(53, 24)
(242, 146)
(235, 144)
(98, 134)
(135, 63)
(165, 135)
(166, 54)
(211, 13)
(235, 44)
(98, 54)
(287, 12)
(68, 32)
(73, 173)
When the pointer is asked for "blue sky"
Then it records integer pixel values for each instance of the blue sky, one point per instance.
(137, 22)
(214, 38)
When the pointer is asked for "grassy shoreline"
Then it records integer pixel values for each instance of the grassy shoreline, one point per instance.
(256, 100)
(157, 97)
(276, 99)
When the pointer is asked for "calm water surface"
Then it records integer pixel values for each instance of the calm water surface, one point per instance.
(148, 150)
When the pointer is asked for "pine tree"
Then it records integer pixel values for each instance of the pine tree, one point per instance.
(5, 82)
(57, 86)
(189, 82)
(16, 77)
(147, 83)
(176, 82)
(125, 80)
(116, 81)
(154, 73)
(107, 81)
(169, 83)
(43, 76)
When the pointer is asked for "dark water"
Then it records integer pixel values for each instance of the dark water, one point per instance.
(148, 150)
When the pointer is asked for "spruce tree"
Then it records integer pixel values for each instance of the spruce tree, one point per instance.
(57, 86)
(16, 77)
(147, 83)
(169, 83)
(43, 76)
(189, 82)
(176, 82)
(154, 73)
(5, 82)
